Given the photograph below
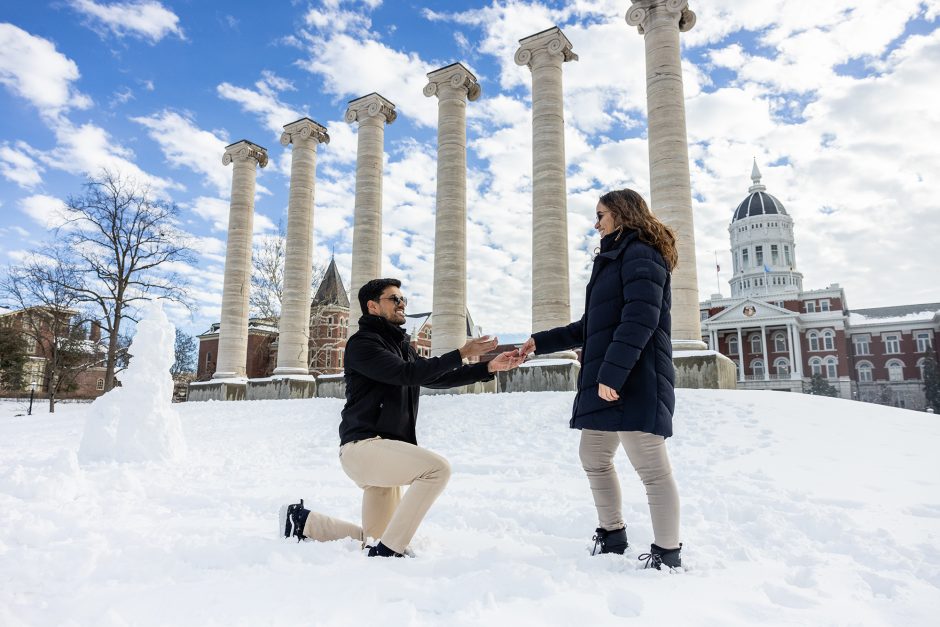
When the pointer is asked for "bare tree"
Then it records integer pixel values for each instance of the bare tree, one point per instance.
(43, 288)
(185, 350)
(128, 240)
(267, 276)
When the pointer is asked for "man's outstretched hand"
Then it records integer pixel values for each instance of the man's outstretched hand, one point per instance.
(478, 346)
(504, 361)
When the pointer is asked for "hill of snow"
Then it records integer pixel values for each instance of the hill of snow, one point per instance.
(795, 510)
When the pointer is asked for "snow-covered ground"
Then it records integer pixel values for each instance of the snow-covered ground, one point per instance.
(796, 511)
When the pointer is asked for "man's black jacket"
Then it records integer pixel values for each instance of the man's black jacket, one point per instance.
(383, 378)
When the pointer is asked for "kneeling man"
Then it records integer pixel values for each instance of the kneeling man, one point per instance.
(378, 447)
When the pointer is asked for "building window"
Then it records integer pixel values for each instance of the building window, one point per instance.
(895, 370)
(758, 256)
(780, 343)
(864, 372)
(755, 344)
(861, 344)
(757, 367)
(829, 340)
(733, 345)
(923, 341)
(329, 331)
(99, 384)
(782, 367)
(703, 315)
(816, 366)
(892, 344)
(30, 343)
(774, 255)
(744, 259)
(920, 367)
(786, 256)
(208, 358)
(810, 306)
(824, 304)
(813, 338)
(831, 368)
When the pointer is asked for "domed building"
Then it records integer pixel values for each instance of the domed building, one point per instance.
(779, 335)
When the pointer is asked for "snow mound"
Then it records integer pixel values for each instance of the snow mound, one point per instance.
(137, 422)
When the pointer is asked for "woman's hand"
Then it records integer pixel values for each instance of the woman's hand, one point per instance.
(504, 361)
(607, 393)
(528, 347)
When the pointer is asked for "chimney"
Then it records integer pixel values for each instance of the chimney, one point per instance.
(95, 334)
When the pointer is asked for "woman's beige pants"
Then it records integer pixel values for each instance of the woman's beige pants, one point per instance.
(380, 467)
(647, 453)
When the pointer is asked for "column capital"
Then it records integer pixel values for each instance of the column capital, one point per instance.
(371, 106)
(551, 41)
(304, 128)
(456, 76)
(641, 11)
(243, 150)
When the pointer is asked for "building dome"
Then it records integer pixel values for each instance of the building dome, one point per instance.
(758, 201)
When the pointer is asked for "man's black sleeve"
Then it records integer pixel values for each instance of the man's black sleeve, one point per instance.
(463, 375)
(373, 360)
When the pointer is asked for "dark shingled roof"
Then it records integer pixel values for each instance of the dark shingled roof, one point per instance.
(331, 290)
(756, 204)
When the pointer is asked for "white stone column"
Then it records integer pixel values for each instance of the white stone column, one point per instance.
(453, 85)
(293, 341)
(544, 53)
(740, 355)
(660, 22)
(763, 344)
(233, 332)
(372, 112)
(798, 348)
(790, 346)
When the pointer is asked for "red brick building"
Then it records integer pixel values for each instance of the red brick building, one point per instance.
(779, 335)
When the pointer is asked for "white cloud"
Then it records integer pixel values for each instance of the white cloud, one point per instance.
(18, 166)
(47, 211)
(148, 20)
(263, 101)
(216, 211)
(185, 144)
(33, 69)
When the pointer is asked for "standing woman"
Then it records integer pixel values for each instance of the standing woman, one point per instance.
(626, 387)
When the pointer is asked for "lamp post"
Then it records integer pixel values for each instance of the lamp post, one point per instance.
(32, 392)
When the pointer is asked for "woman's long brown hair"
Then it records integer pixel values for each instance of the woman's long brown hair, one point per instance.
(630, 211)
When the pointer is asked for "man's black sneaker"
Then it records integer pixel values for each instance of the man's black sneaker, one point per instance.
(610, 541)
(659, 557)
(380, 550)
(292, 519)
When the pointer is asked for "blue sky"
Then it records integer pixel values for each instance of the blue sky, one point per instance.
(836, 104)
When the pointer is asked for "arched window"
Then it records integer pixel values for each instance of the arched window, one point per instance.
(99, 384)
(755, 344)
(920, 367)
(813, 338)
(864, 372)
(782, 367)
(757, 367)
(829, 340)
(733, 345)
(816, 365)
(832, 368)
(895, 370)
(780, 343)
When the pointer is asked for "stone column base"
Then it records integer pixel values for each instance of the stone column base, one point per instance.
(216, 390)
(480, 387)
(331, 386)
(542, 375)
(704, 370)
(281, 388)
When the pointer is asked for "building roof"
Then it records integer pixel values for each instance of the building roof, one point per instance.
(758, 201)
(898, 313)
(331, 290)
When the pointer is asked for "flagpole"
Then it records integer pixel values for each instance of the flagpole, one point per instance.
(717, 274)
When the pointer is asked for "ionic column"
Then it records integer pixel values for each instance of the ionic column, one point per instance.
(233, 332)
(544, 53)
(763, 343)
(372, 112)
(740, 355)
(660, 22)
(294, 326)
(453, 85)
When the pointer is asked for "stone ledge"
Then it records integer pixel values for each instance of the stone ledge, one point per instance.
(704, 370)
(216, 391)
(281, 388)
(555, 375)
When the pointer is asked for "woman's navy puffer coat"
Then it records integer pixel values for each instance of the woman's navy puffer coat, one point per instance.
(625, 340)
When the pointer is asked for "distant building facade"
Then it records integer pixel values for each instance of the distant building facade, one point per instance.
(779, 335)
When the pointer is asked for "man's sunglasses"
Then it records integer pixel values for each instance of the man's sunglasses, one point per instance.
(395, 298)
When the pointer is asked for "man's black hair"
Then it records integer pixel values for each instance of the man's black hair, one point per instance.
(373, 290)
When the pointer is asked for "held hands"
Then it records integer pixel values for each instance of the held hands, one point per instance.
(478, 346)
(504, 361)
(607, 393)
(527, 348)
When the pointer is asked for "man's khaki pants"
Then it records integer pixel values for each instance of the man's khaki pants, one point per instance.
(647, 453)
(380, 467)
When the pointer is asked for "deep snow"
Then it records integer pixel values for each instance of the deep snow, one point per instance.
(796, 510)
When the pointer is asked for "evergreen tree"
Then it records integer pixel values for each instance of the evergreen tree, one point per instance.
(932, 381)
(13, 358)
(818, 386)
